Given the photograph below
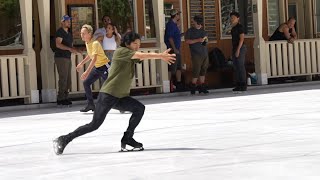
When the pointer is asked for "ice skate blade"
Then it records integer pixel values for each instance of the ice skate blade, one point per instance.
(64, 106)
(238, 92)
(131, 150)
(56, 147)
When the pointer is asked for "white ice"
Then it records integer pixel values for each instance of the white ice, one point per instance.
(264, 134)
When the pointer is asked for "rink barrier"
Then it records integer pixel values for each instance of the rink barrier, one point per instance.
(302, 58)
(146, 74)
(13, 77)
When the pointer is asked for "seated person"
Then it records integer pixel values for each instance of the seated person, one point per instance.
(285, 31)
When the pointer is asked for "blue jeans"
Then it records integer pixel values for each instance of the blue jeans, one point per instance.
(109, 54)
(95, 74)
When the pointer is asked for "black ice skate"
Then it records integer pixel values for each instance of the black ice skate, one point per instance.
(193, 88)
(203, 89)
(64, 103)
(240, 88)
(59, 144)
(128, 140)
(90, 106)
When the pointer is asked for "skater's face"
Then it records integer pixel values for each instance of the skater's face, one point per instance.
(85, 35)
(135, 45)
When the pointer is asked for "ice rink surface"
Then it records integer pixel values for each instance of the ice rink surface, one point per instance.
(264, 134)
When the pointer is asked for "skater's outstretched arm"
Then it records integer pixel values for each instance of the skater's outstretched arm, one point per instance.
(165, 56)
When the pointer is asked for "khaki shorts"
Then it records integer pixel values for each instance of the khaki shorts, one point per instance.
(199, 65)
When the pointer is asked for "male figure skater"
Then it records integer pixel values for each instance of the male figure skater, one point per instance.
(115, 93)
(97, 67)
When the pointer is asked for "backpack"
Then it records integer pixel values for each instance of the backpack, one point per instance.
(217, 59)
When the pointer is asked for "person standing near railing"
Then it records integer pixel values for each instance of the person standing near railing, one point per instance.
(98, 67)
(239, 51)
(62, 59)
(115, 93)
(101, 32)
(285, 31)
(110, 41)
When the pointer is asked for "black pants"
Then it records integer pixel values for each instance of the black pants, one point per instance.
(95, 74)
(239, 66)
(103, 106)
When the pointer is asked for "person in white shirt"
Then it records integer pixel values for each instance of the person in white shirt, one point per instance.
(110, 41)
(102, 31)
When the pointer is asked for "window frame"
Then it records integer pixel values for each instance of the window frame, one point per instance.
(190, 17)
(222, 37)
(152, 40)
(316, 18)
(269, 32)
(16, 46)
(144, 37)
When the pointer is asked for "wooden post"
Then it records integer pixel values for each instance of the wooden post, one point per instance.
(30, 65)
(158, 10)
(259, 44)
(48, 92)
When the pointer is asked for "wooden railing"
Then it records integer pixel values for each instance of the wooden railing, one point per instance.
(147, 74)
(302, 58)
(13, 77)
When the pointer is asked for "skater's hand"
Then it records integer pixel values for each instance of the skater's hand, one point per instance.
(79, 67)
(167, 57)
(84, 76)
(237, 54)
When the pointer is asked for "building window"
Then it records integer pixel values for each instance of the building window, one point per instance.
(317, 14)
(207, 9)
(120, 12)
(11, 29)
(273, 16)
(167, 8)
(150, 28)
(244, 7)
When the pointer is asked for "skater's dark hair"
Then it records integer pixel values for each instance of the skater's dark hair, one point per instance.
(235, 14)
(198, 19)
(129, 38)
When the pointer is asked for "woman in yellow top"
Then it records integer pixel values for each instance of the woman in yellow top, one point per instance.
(97, 67)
